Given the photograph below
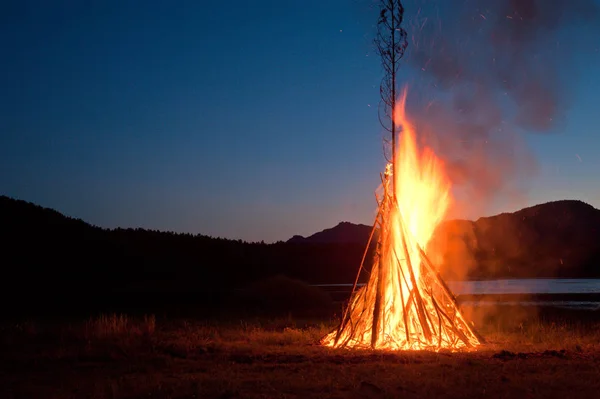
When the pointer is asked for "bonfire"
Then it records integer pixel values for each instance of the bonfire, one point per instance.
(405, 304)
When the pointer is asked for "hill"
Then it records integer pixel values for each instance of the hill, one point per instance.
(45, 251)
(46, 254)
(555, 239)
(344, 232)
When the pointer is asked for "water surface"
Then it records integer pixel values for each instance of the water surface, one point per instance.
(517, 286)
(526, 286)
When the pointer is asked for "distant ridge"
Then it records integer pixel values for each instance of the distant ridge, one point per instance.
(80, 268)
(44, 251)
(344, 232)
(553, 239)
(43, 248)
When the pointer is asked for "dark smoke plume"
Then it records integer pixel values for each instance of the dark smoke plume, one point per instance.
(491, 70)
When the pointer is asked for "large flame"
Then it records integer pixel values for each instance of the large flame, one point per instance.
(422, 187)
(405, 304)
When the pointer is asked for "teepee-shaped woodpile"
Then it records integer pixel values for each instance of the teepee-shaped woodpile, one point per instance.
(405, 304)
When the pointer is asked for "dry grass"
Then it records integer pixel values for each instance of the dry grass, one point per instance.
(538, 336)
(116, 356)
(114, 325)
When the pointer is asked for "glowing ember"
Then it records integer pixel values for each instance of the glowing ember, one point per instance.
(405, 304)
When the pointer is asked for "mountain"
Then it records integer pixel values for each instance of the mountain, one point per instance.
(555, 239)
(344, 232)
(45, 251)
(43, 239)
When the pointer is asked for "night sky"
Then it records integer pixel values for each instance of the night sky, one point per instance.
(258, 119)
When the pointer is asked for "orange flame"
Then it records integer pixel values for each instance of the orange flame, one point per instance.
(405, 304)
(422, 187)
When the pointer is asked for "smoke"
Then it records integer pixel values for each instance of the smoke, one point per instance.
(489, 72)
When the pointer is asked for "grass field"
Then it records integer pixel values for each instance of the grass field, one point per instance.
(115, 356)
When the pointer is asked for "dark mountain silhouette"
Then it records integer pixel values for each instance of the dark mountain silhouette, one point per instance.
(344, 232)
(47, 254)
(55, 257)
(555, 239)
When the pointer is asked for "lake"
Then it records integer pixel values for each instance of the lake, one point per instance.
(531, 286)
(526, 286)
(558, 287)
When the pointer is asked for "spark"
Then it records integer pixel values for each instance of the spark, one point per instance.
(426, 65)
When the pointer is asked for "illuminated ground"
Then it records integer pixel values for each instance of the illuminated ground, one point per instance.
(124, 358)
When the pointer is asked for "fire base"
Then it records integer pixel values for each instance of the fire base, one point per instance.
(405, 305)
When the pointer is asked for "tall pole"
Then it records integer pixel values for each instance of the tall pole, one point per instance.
(391, 43)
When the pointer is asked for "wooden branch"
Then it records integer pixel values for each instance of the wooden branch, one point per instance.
(418, 299)
(447, 291)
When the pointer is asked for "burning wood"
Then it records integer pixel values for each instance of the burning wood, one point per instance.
(405, 304)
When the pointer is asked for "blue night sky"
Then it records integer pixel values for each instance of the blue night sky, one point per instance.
(241, 119)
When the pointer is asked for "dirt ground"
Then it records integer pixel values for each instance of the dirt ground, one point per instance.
(118, 357)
